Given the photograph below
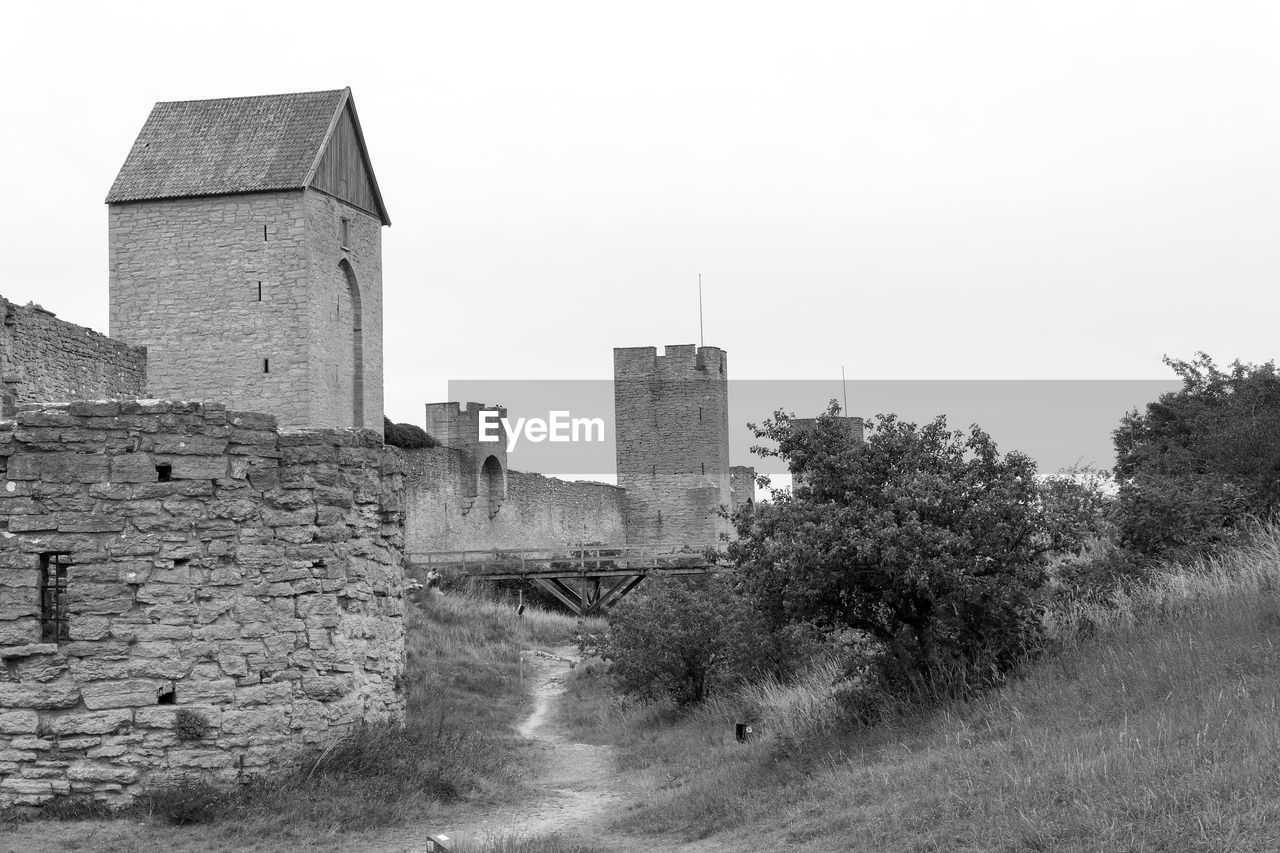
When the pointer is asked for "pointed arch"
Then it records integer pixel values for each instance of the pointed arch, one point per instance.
(357, 344)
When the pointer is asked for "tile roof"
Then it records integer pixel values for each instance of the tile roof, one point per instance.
(228, 145)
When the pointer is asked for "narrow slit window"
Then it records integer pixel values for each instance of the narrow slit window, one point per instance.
(264, 233)
(259, 291)
(266, 365)
(344, 232)
(55, 626)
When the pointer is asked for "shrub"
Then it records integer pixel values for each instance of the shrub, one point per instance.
(406, 436)
(682, 640)
(927, 540)
(1199, 460)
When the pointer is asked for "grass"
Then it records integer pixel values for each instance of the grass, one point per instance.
(457, 751)
(1153, 726)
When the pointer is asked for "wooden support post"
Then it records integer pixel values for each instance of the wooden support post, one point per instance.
(557, 588)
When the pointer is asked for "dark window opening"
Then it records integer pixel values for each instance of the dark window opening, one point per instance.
(55, 627)
(164, 472)
(259, 291)
(264, 233)
(181, 561)
(167, 697)
(266, 365)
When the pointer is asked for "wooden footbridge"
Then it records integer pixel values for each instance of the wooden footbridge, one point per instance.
(588, 580)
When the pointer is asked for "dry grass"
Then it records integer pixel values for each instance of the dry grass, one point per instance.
(1154, 726)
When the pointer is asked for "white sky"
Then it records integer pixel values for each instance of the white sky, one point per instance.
(913, 190)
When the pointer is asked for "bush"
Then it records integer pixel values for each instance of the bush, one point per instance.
(927, 540)
(406, 436)
(1200, 460)
(681, 640)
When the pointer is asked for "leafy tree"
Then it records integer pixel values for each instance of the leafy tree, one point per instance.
(926, 539)
(681, 640)
(1200, 459)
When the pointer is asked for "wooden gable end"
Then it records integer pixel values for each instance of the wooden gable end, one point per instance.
(344, 171)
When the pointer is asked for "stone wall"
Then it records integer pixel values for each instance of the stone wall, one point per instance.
(233, 593)
(538, 511)
(672, 419)
(243, 299)
(43, 358)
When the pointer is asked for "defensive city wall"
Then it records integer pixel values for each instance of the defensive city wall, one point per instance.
(187, 589)
(44, 358)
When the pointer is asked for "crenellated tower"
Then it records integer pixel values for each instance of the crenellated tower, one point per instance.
(672, 428)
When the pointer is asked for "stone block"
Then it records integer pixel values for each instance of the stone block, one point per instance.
(32, 523)
(54, 695)
(126, 693)
(94, 408)
(19, 722)
(68, 523)
(133, 468)
(199, 467)
(99, 771)
(194, 445)
(70, 467)
(91, 722)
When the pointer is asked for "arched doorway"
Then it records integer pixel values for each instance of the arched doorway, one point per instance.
(493, 484)
(357, 342)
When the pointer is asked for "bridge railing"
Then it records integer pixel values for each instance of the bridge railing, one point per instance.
(570, 560)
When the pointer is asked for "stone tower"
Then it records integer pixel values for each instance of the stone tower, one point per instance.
(671, 415)
(246, 256)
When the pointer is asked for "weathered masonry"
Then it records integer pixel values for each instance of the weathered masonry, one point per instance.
(43, 358)
(672, 420)
(186, 589)
(245, 241)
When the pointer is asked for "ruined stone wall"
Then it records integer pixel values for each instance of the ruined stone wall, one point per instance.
(43, 358)
(241, 299)
(672, 420)
(538, 512)
(233, 593)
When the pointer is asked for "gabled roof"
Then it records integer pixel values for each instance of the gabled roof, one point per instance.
(236, 145)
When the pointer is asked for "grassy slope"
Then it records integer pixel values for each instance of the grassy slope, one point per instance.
(459, 752)
(1157, 732)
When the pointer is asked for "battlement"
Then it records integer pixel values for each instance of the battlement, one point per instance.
(458, 425)
(675, 361)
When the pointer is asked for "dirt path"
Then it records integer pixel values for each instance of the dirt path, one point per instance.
(580, 783)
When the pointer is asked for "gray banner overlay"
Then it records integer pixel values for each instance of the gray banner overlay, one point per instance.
(1056, 422)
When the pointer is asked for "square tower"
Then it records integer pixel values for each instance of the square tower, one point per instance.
(246, 256)
(671, 415)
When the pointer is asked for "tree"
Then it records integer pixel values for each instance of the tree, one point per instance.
(928, 540)
(1201, 459)
(681, 640)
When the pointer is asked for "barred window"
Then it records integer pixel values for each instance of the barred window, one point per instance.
(54, 624)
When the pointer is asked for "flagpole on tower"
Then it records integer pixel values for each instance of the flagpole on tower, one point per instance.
(702, 342)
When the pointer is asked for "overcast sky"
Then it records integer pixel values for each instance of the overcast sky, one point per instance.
(912, 190)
